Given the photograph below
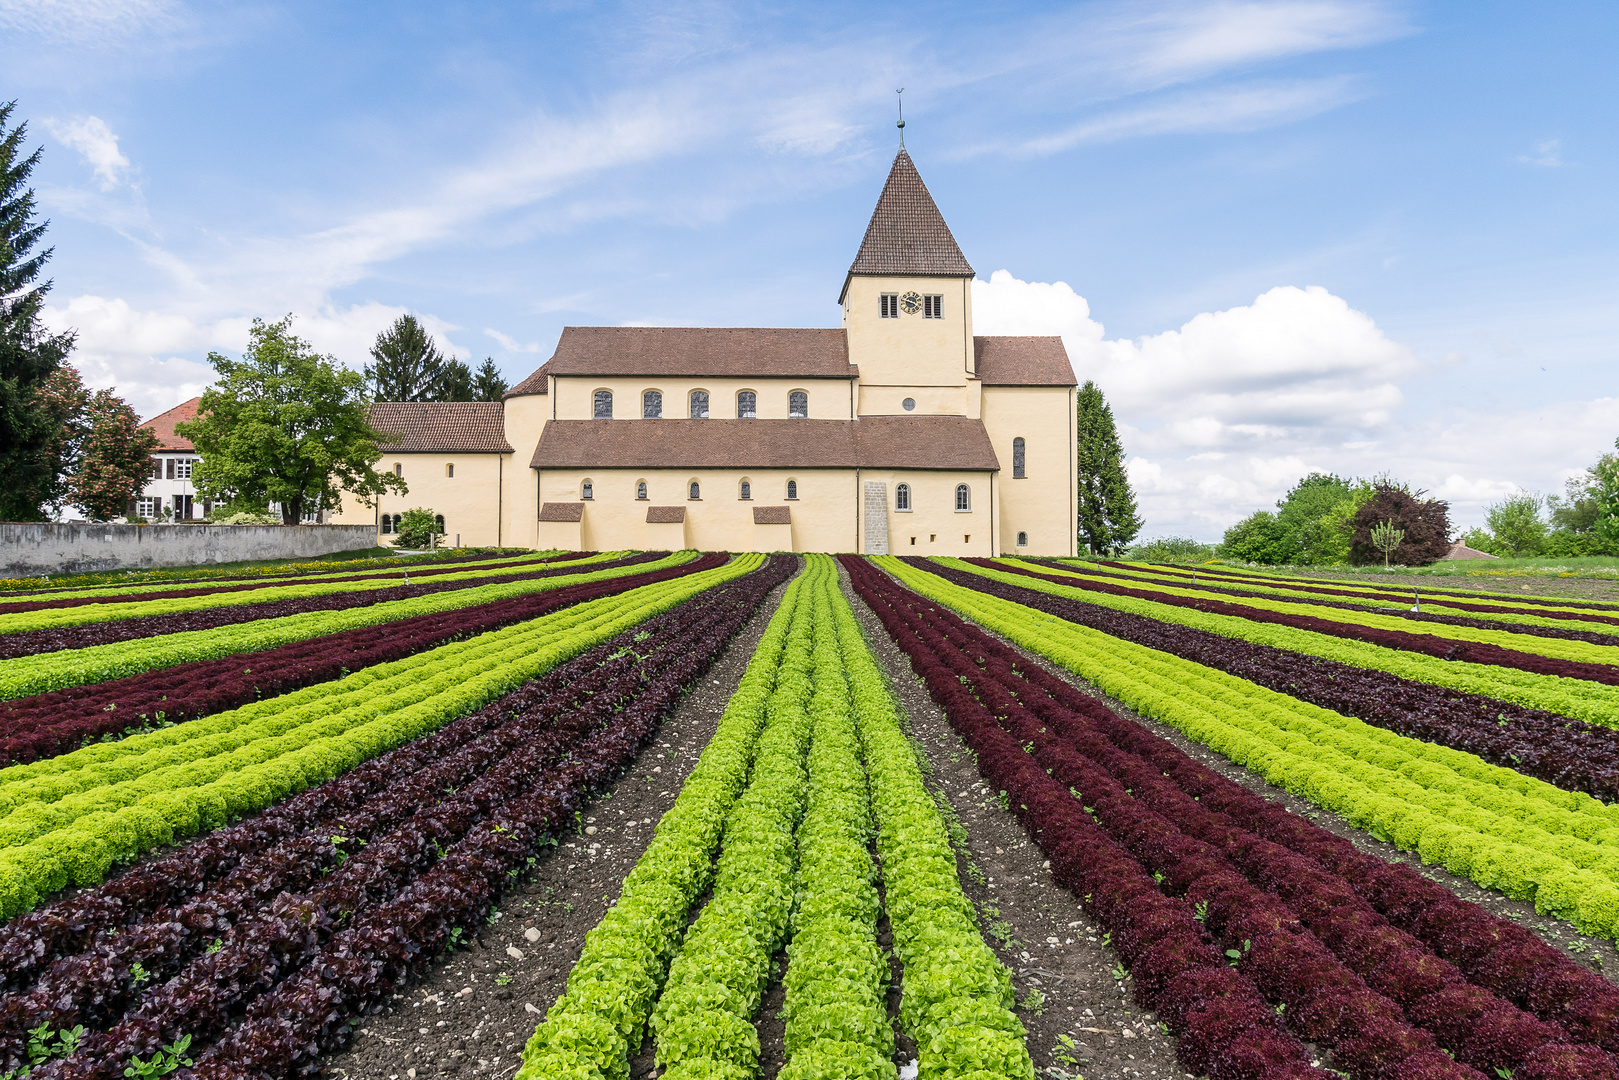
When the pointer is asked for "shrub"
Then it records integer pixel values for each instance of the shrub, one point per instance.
(1424, 522)
(418, 528)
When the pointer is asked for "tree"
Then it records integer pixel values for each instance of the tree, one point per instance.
(409, 365)
(114, 457)
(454, 382)
(285, 425)
(1424, 525)
(1259, 538)
(487, 384)
(32, 450)
(1385, 538)
(1107, 506)
(418, 528)
(1516, 525)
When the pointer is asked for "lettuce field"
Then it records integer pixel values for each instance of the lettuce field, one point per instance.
(703, 816)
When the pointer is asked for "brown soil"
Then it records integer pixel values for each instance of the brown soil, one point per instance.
(479, 1004)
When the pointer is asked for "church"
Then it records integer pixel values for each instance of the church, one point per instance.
(900, 432)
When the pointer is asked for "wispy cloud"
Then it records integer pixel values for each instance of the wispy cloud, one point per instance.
(1547, 155)
(511, 344)
(96, 143)
(86, 22)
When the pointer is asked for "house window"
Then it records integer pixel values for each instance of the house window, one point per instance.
(399, 468)
(699, 404)
(888, 304)
(1017, 458)
(587, 490)
(964, 499)
(651, 405)
(387, 524)
(694, 491)
(902, 498)
(602, 405)
(913, 541)
(745, 490)
(438, 522)
(170, 467)
(966, 538)
(182, 469)
(1022, 539)
(640, 490)
(798, 405)
(449, 469)
(747, 405)
(157, 468)
(932, 307)
(792, 489)
(145, 508)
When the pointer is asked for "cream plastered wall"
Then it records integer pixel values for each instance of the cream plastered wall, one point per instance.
(525, 418)
(1043, 503)
(824, 514)
(469, 501)
(934, 522)
(930, 400)
(910, 350)
(574, 397)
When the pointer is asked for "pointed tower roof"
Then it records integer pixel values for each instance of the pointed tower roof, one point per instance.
(907, 234)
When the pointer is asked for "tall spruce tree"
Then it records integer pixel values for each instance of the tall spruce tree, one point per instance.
(409, 364)
(31, 430)
(487, 384)
(454, 382)
(1107, 506)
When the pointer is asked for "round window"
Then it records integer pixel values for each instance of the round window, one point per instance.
(909, 404)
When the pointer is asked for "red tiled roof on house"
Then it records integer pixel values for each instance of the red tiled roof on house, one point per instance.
(907, 234)
(444, 427)
(772, 515)
(665, 515)
(560, 511)
(1022, 361)
(711, 352)
(891, 442)
(162, 425)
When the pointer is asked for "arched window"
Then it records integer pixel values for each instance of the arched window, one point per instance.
(587, 490)
(964, 499)
(387, 523)
(798, 405)
(699, 404)
(438, 523)
(902, 498)
(1022, 539)
(792, 489)
(640, 490)
(651, 405)
(1017, 458)
(449, 469)
(744, 490)
(747, 405)
(602, 406)
(694, 491)
(399, 468)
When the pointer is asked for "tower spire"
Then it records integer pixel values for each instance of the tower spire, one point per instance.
(901, 124)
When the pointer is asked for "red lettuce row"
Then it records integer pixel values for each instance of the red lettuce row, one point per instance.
(431, 570)
(285, 956)
(33, 642)
(1572, 754)
(61, 721)
(1347, 979)
(1445, 648)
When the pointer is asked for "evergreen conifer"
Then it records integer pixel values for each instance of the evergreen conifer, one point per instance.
(409, 364)
(1107, 506)
(487, 384)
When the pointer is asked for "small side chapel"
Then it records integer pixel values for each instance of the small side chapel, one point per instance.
(900, 432)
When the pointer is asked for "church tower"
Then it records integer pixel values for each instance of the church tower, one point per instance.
(907, 306)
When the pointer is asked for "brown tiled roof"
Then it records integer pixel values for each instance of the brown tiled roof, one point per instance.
(536, 383)
(1022, 361)
(895, 442)
(562, 511)
(665, 515)
(674, 351)
(162, 425)
(772, 515)
(441, 426)
(907, 234)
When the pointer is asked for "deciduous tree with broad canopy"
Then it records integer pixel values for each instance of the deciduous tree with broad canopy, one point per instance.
(285, 425)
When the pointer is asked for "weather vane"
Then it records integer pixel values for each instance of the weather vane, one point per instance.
(901, 125)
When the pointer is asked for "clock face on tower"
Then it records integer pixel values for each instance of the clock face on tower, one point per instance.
(911, 302)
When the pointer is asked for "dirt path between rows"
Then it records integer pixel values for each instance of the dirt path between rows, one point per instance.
(480, 1004)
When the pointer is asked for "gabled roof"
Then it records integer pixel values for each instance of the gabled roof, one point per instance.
(467, 427)
(887, 442)
(907, 234)
(162, 425)
(695, 352)
(1022, 361)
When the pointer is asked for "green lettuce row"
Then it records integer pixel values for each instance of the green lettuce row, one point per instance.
(1556, 648)
(98, 663)
(958, 997)
(591, 1030)
(837, 975)
(1504, 830)
(394, 568)
(1433, 603)
(70, 823)
(13, 622)
(1579, 699)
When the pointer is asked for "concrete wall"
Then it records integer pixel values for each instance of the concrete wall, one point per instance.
(27, 550)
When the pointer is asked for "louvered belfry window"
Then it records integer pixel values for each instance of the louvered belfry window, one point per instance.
(933, 307)
(889, 305)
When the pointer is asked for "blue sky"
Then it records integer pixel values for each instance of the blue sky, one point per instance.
(1290, 235)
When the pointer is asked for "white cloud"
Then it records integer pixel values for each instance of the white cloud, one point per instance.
(84, 22)
(511, 344)
(1547, 155)
(96, 143)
